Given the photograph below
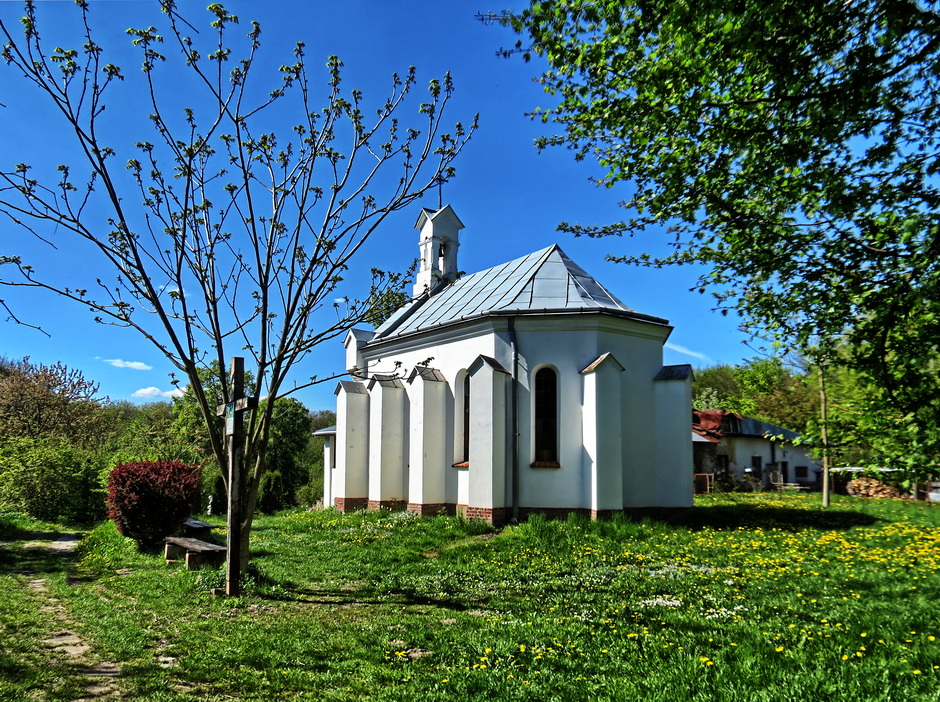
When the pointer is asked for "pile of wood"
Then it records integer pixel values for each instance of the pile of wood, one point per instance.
(869, 487)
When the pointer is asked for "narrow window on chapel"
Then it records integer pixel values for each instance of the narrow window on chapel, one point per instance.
(466, 418)
(546, 417)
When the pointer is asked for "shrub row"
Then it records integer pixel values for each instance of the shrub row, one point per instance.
(50, 480)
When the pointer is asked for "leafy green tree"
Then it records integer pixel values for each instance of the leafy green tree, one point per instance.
(738, 388)
(147, 432)
(192, 428)
(384, 305)
(227, 229)
(49, 401)
(764, 388)
(879, 438)
(715, 387)
(312, 492)
(792, 146)
(290, 434)
(792, 404)
(286, 454)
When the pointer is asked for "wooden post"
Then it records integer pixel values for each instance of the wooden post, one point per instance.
(824, 433)
(234, 449)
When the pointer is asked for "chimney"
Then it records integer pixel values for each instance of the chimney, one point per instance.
(437, 243)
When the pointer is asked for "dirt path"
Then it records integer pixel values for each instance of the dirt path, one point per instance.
(64, 643)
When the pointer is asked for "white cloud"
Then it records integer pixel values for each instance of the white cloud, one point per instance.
(153, 393)
(136, 365)
(687, 352)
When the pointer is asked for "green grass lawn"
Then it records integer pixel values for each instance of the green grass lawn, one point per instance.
(755, 597)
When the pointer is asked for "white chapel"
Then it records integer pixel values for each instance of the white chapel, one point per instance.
(523, 388)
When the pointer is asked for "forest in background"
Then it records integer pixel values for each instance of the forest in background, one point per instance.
(59, 440)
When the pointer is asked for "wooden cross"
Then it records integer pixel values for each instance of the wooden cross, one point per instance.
(234, 448)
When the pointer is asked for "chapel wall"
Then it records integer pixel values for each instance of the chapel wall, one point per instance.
(568, 349)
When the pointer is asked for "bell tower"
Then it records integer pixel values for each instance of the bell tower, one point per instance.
(438, 244)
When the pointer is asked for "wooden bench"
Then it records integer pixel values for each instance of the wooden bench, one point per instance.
(196, 553)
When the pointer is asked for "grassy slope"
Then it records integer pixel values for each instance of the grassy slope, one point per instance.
(759, 597)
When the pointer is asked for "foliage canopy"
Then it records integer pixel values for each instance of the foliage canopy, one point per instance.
(791, 146)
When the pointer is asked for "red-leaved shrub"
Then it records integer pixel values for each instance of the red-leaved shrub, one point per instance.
(148, 501)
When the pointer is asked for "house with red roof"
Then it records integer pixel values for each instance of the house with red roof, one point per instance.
(729, 446)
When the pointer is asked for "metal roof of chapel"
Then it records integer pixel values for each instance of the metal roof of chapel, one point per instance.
(543, 282)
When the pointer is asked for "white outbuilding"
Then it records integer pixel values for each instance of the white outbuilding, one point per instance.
(524, 388)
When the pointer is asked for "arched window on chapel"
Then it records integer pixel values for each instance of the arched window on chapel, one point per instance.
(546, 418)
(466, 418)
(462, 421)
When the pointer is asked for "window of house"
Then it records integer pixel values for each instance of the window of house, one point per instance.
(757, 464)
(546, 418)
(722, 464)
(801, 472)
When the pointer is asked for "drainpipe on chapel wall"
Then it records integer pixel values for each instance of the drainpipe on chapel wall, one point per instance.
(514, 345)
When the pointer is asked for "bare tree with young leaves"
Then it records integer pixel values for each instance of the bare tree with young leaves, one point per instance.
(220, 236)
(40, 401)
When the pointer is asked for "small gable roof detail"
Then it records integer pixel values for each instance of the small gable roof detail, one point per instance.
(359, 336)
(385, 381)
(482, 360)
(426, 373)
(545, 281)
(601, 360)
(445, 213)
(350, 387)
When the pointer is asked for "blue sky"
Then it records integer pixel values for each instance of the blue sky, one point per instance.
(510, 197)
